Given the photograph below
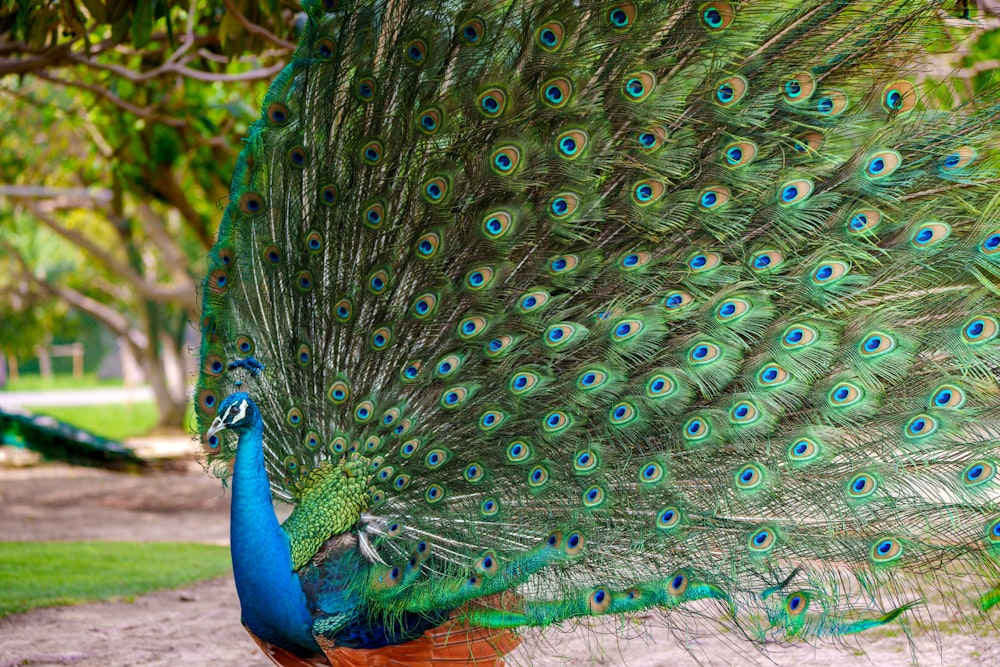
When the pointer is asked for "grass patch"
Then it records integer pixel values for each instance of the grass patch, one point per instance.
(47, 574)
(57, 382)
(115, 421)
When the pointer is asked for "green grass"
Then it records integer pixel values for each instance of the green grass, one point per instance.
(57, 382)
(47, 574)
(113, 421)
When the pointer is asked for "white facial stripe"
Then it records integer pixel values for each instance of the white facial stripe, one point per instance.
(242, 407)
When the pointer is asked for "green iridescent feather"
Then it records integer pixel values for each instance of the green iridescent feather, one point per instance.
(622, 306)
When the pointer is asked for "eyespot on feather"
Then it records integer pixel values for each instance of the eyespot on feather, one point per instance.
(651, 138)
(832, 103)
(803, 450)
(343, 310)
(794, 192)
(991, 244)
(798, 88)
(497, 224)
(744, 413)
(415, 52)
(700, 262)
(251, 203)
(714, 198)
(571, 144)
(696, 429)
(556, 92)
(886, 550)
(668, 518)
(762, 540)
(730, 91)
(704, 352)
(921, 426)
(538, 476)
(739, 154)
(472, 32)
(845, 394)
(978, 473)
(623, 413)
(218, 281)
(563, 205)
(505, 159)
(622, 16)
(882, 164)
(677, 301)
(799, 336)
(638, 86)
(773, 375)
(716, 16)
(958, 159)
(424, 305)
(980, 329)
(533, 301)
(949, 396)
(660, 385)
(930, 234)
(372, 152)
(550, 36)
(863, 221)
(429, 121)
(732, 309)
(877, 343)
(428, 245)
(899, 97)
(339, 392)
(479, 278)
(829, 272)
(374, 215)
(647, 191)
(862, 485)
(436, 189)
(766, 260)
(277, 113)
(808, 142)
(492, 102)
(748, 478)
(365, 89)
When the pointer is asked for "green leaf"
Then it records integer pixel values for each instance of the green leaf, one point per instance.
(96, 9)
(142, 23)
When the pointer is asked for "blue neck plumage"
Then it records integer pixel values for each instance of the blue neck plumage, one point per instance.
(274, 606)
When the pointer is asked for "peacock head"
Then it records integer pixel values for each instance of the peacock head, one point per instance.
(236, 412)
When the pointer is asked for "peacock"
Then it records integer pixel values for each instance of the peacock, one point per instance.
(59, 441)
(542, 311)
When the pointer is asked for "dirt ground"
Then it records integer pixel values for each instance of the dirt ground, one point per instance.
(199, 625)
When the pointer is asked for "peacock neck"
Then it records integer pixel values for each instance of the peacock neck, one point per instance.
(273, 604)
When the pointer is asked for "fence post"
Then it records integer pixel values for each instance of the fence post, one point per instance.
(44, 361)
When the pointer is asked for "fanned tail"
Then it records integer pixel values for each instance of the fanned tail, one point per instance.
(626, 307)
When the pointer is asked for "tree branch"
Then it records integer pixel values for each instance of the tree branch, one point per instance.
(255, 29)
(103, 313)
(57, 197)
(142, 112)
(182, 293)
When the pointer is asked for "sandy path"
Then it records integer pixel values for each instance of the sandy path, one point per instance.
(199, 625)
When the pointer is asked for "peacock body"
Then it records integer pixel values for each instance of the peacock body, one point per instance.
(546, 310)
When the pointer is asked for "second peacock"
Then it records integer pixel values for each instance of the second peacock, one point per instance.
(545, 310)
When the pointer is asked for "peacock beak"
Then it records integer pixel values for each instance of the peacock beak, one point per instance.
(216, 426)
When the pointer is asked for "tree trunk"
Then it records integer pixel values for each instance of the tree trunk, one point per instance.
(166, 372)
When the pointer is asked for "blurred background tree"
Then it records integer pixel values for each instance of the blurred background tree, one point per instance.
(122, 119)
